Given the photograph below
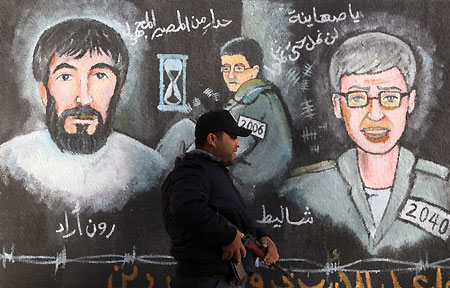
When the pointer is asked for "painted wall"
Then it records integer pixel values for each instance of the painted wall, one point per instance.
(92, 218)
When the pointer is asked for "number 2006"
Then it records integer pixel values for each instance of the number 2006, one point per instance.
(258, 128)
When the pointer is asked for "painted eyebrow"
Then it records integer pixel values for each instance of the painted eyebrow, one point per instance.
(106, 66)
(62, 66)
(358, 87)
(103, 66)
(389, 88)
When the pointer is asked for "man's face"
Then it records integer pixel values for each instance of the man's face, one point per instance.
(79, 92)
(226, 148)
(236, 71)
(88, 81)
(374, 128)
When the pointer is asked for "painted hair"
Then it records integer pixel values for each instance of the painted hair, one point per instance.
(246, 47)
(372, 53)
(76, 37)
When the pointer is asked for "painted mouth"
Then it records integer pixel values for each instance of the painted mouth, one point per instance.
(83, 119)
(375, 132)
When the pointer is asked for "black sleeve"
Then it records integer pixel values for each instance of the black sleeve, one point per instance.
(260, 232)
(191, 191)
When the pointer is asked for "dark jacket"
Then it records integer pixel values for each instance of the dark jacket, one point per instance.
(199, 200)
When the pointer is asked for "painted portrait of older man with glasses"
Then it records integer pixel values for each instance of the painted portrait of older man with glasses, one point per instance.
(378, 191)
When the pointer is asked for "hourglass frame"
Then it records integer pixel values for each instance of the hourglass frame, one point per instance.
(164, 104)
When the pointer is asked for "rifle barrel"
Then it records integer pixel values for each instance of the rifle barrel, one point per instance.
(283, 270)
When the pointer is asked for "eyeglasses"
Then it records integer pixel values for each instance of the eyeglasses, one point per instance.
(238, 68)
(387, 99)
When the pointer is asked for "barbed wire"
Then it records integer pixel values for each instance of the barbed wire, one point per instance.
(61, 259)
(406, 266)
(297, 265)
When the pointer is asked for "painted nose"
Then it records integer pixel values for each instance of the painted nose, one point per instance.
(84, 98)
(231, 74)
(375, 111)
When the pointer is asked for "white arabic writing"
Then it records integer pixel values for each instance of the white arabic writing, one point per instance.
(185, 23)
(269, 219)
(323, 18)
(291, 51)
(103, 226)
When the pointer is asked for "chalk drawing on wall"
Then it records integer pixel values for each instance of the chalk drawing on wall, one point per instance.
(297, 40)
(370, 197)
(80, 91)
(172, 68)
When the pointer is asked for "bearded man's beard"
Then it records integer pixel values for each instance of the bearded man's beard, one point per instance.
(80, 142)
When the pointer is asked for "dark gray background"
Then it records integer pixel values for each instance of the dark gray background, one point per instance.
(423, 24)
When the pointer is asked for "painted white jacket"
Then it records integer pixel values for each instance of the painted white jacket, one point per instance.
(102, 181)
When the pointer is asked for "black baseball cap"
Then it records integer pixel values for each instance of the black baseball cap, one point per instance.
(219, 120)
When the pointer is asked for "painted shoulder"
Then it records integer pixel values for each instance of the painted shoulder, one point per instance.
(431, 183)
(250, 91)
(310, 178)
(24, 142)
(136, 151)
(314, 183)
(314, 168)
(432, 169)
(117, 138)
(32, 136)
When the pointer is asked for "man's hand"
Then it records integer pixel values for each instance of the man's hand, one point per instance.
(235, 249)
(272, 252)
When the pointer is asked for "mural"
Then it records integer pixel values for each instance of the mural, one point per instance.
(347, 165)
(256, 106)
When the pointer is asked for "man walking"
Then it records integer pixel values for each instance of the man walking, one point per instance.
(204, 213)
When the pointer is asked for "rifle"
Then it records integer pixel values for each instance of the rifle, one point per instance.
(253, 245)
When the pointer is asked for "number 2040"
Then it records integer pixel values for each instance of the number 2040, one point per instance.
(423, 214)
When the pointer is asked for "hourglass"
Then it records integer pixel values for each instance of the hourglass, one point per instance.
(172, 71)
